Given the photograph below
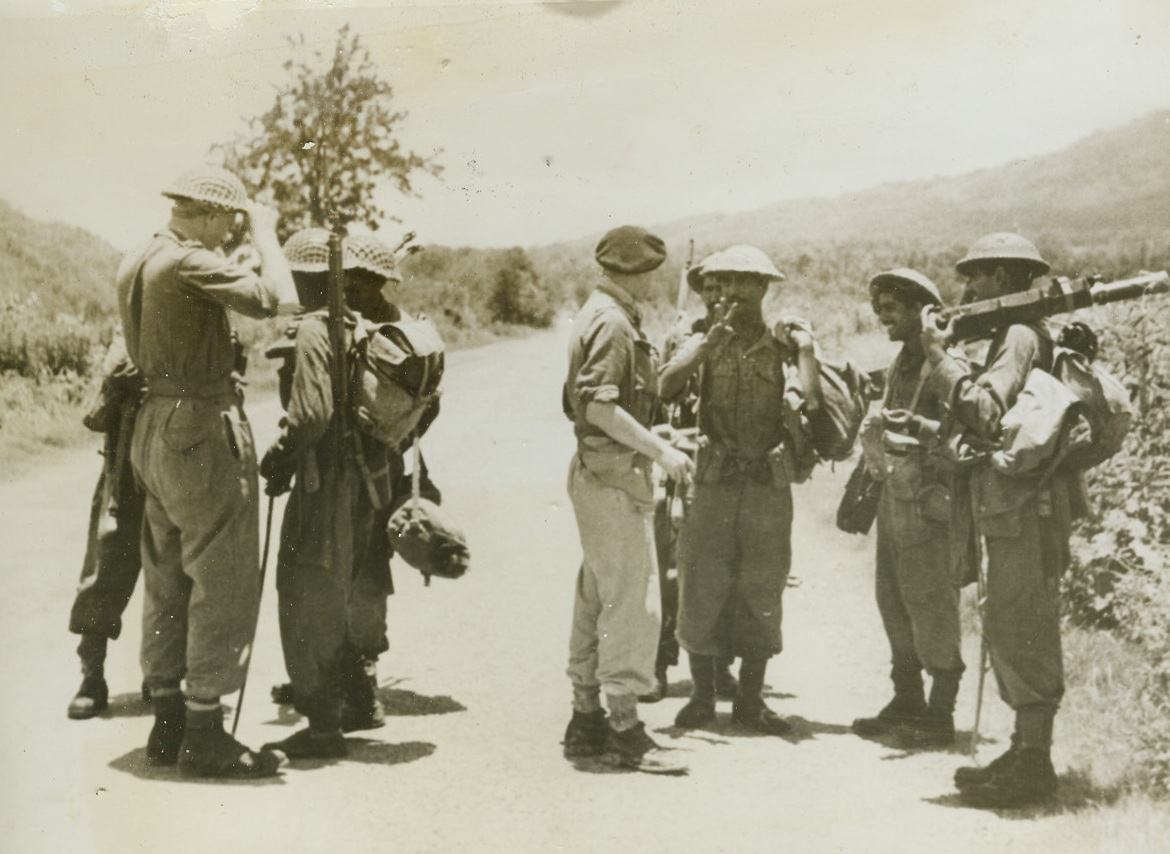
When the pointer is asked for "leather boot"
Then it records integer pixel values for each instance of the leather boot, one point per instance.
(360, 707)
(749, 709)
(726, 684)
(208, 751)
(1022, 776)
(93, 697)
(170, 724)
(908, 705)
(700, 708)
(936, 728)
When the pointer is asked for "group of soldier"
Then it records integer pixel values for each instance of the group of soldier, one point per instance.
(179, 497)
(744, 388)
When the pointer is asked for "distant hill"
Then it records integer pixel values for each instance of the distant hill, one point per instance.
(68, 269)
(1101, 205)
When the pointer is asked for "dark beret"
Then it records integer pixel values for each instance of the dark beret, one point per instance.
(629, 249)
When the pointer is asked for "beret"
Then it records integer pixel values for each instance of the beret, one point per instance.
(629, 250)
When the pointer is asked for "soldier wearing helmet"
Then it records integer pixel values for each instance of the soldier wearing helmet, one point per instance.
(193, 453)
(735, 548)
(333, 572)
(917, 595)
(1022, 523)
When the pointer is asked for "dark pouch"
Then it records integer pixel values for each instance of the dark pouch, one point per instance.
(859, 504)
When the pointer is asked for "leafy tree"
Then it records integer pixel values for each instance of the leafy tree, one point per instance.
(328, 140)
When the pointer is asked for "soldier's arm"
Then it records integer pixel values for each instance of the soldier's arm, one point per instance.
(310, 404)
(622, 427)
(978, 402)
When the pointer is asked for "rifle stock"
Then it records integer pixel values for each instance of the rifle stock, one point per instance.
(1059, 296)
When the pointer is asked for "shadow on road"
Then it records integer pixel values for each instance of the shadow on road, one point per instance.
(135, 764)
(399, 701)
(722, 730)
(1076, 794)
(371, 752)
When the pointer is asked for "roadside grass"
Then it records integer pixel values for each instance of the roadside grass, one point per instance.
(39, 416)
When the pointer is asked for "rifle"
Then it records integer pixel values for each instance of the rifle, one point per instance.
(1059, 295)
(336, 323)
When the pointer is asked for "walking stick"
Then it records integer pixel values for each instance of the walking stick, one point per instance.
(263, 570)
(981, 597)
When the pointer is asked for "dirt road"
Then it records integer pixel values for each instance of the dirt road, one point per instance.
(470, 759)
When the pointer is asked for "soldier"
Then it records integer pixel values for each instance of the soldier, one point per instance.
(112, 560)
(193, 454)
(333, 571)
(610, 396)
(917, 594)
(683, 416)
(735, 549)
(1023, 523)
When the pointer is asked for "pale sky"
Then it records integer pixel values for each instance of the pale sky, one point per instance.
(561, 120)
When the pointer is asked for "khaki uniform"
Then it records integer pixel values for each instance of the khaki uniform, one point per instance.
(917, 593)
(1024, 522)
(735, 551)
(616, 615)
(113, 559)
(194, 456)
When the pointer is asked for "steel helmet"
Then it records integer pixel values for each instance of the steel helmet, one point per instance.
(307, 250)
(904, 281)
(212, 186)
(1003, 246)
(735, 259)
(366, 252)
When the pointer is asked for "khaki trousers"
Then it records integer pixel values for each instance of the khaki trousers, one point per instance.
(616, 609)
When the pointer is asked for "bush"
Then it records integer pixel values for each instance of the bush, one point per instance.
(32, 344)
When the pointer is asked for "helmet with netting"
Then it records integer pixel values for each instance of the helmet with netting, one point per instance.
(307, 250)
(210, 185)
(1003, 246)
(366, 252)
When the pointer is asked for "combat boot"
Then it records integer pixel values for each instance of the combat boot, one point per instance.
(360, 707)
(907, 707)
(208, 751)
(749, 709)
(726, 685)
(585, 735)
(634, 750)
(973, 775)
(1028, 779)
(700, 708)
(93, 697)
(936, 728)
(170, 725)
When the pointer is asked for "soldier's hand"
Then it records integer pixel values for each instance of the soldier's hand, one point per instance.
(677, 465)
(898, 420)
(793, 331)
(934, 339)
(278, 483)
(262, 218)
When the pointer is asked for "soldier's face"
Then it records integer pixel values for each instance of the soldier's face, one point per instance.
(218, 226)
(743, 289)
(987, 282)
(903, 321)
(712, 292)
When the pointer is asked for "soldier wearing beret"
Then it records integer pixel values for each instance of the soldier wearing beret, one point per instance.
(610, 395)
(917, 593)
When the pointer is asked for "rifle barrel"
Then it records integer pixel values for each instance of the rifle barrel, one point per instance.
(1145, 285)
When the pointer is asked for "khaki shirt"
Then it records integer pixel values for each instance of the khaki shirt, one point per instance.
(173, 295)
(610, 361)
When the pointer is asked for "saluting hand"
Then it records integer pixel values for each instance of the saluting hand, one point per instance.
(261, 218)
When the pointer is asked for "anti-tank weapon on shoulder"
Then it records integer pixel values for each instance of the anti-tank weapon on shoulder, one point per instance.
(1059, 295)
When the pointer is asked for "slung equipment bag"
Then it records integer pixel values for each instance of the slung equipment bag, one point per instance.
(844, 403)
(398, 369)
(1104, 403)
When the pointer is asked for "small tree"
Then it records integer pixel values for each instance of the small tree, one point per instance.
(328, 140)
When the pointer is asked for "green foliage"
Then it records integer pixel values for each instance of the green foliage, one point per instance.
(517, 295)
(32, 344)
(328, 140)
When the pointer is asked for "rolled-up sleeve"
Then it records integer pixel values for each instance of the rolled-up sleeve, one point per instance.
(231, 285)
(607, 363)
